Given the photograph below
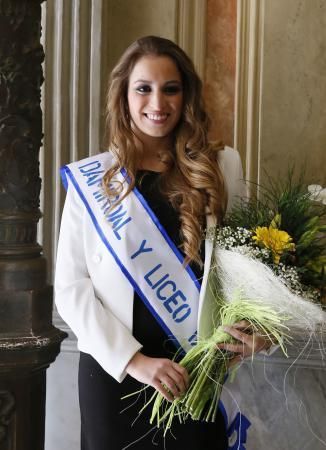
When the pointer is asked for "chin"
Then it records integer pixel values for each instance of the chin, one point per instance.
(156, 133)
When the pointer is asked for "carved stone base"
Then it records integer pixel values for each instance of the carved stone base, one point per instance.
(22, 422)
(23, 364)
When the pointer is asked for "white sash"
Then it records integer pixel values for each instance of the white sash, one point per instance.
(152, 264)
(142, 249)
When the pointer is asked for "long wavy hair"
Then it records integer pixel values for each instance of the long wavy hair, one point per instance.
(192, 181)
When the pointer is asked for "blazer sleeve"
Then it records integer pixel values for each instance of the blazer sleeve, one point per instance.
(98, 330)
(231, 167)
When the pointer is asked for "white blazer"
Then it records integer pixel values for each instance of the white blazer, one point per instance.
(92, 294)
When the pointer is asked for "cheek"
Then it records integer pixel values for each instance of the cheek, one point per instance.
(135, 103)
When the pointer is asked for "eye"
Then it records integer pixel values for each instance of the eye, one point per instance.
(143, 89)
(172, 89)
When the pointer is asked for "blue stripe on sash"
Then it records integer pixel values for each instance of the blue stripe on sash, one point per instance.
(65, 172)
(239, 424)
(64, 177)
(152, 215)
(223, 411)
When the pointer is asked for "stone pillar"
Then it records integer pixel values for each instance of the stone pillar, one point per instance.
(28, 340)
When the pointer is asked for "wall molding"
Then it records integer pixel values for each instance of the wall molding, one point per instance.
(74, 40)
(191, 18)
(248, 92)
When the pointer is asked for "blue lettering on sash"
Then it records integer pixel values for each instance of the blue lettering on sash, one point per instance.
(174, 299)
(111, 185)
(163, 286)
(171, 301)
(93, 177)
(150, 273)
(100, 195)
(89, 167)
(193, 339)
(176, 314)
(116, 219)
(92, 173)
(159, 281)
(106, 207)
(142, 249)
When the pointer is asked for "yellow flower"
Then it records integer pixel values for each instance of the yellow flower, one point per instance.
(276, 240)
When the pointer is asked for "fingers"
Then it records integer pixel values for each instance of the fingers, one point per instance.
(241, 324)
(183, 372)
(233, 348)
(238, 335)
(244, 325)
(163, 390)
(245, 342)
(171, 380)
(168, 377)
(248, 343)
(176, 379)
(169, 388)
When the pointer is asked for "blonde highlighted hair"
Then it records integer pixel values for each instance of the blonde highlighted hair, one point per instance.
(192, 182)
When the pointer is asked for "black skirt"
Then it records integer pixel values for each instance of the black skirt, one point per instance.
(110, 423)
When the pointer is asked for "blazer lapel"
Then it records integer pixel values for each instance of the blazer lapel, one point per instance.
(204, 310)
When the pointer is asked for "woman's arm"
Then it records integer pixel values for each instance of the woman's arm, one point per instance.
(231, 167)
(98, 330)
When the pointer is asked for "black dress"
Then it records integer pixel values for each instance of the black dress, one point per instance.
(109, 423)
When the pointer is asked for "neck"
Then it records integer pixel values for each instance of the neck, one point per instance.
(153, 149)
(153, 164)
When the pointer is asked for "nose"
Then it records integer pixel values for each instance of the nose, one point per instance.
(157, 102)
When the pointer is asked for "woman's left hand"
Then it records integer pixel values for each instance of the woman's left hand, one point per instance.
(249, 342)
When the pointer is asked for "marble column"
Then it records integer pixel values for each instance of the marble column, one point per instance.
(220, 68)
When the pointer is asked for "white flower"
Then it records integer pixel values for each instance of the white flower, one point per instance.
(318, 193)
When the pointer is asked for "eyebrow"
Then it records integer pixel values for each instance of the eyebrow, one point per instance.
(151, 82)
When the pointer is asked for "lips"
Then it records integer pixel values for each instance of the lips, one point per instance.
(157, 118)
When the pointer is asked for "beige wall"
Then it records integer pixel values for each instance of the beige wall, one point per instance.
(293, 112)
(129, 20)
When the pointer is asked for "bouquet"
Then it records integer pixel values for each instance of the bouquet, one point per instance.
(268, 268)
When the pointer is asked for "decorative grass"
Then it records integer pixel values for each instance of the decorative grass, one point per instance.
(207, 365)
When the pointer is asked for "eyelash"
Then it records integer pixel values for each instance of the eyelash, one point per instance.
(169, 90)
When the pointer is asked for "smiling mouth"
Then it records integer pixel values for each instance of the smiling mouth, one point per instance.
(158, 118)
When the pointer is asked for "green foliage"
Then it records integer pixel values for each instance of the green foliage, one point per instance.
(207, 365)
(302, 218)
(249, 213)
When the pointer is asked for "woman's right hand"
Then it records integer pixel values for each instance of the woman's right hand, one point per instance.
(166, 376)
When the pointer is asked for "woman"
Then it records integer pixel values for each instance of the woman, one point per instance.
(131, 249)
